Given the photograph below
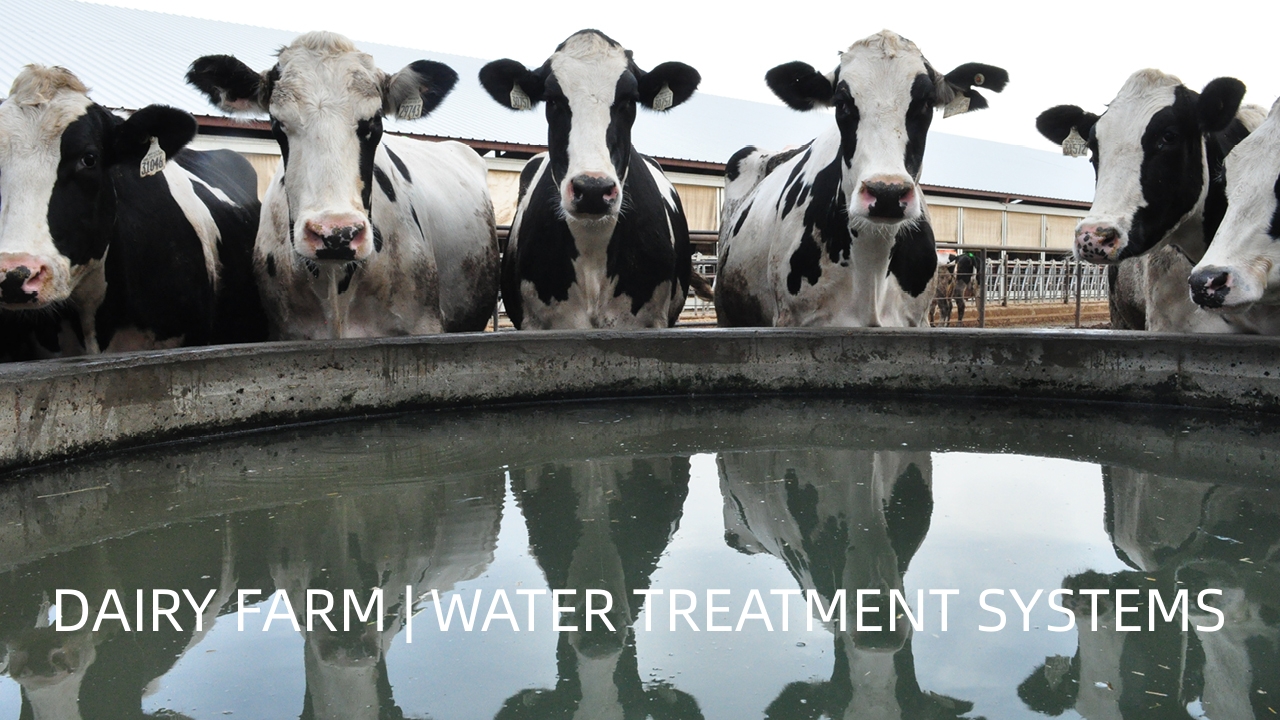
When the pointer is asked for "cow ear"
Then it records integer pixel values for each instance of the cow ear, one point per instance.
(418, 89)
(1056, 123)
(511, 84)
(668, 85)
(800, 86)
(958, 89)
(914, 258)
(230, 84)
(1219, 102)
(169, 128)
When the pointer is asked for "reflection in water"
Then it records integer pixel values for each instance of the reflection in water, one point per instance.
(104, 674)
(1176, 535)
(601, 526)
(427, 535)
(841, 520)
(432, 534)
(819, 495)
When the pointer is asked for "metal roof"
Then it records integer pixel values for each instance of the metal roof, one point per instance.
(132, 58)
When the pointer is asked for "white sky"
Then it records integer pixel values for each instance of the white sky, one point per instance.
(1076, 52)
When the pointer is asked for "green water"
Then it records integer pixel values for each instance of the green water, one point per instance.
(728, 496)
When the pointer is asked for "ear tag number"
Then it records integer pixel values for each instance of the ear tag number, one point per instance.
(153, 162)
(519, 99)
(410, 109)
(1074, 145)
(959, 105)
(664, 99)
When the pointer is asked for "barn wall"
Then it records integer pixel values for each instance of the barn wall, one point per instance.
(944, 220)
(265, 166)
(1024, 229)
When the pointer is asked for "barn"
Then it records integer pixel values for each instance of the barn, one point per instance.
(980, 193)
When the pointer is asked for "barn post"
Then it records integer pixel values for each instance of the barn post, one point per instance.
(1004, 271)
(982, 288)
(1079, 287)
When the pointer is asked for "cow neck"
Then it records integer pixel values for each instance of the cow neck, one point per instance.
(89, 293)
(868, 270)
(1187, 237)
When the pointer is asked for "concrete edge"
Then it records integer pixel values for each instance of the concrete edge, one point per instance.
(55, 410)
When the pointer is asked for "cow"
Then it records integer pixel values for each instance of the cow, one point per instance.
(431, 535)
(362, 235)
(1241, 269)
(944, 289)
(601, 525)
(1174, 535)
(113, 235)
(836, 232)
(600, 238)
(1158, 155)
(841, 521)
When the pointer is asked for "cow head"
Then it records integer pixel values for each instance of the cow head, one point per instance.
(591, 87)
(884, 93)
(326, 101)
(1242, 265)
(60, 157)
(1148, 151)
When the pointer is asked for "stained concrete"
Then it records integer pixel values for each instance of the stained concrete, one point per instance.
(60, 409)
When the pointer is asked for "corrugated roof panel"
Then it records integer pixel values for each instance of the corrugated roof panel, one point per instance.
(132, 58)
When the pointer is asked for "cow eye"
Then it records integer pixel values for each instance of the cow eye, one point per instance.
(88, 160)
(1169, 137)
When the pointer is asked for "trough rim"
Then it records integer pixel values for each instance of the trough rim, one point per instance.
(57, 410)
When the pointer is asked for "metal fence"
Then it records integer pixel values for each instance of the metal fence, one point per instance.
(1043, 281)
(1006, 280)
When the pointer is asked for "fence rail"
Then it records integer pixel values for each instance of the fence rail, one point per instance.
(1043, 281)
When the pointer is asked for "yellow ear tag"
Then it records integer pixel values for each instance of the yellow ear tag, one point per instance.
(1074, 145)
(958, 106)
(410, 109)
(519, 99)
(153, 162)
(664, 99)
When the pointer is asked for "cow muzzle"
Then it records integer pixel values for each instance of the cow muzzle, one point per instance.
(593, 195)
(336, 238)
(1099, 243)
(24, 280)
(887, 199)
(1214, 287)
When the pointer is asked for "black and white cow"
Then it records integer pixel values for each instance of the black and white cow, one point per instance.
(1158, 153)
(599, 239)
(362, 235)
(1175, 535)
(106, 246)
(837, 231)
(601, 525)
(842, 520)
(1241, 269)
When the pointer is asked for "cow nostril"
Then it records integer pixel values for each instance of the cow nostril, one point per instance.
(887, 200)
(593, 195)
(1210, 287)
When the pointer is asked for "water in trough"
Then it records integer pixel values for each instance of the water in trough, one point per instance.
(736, 506)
